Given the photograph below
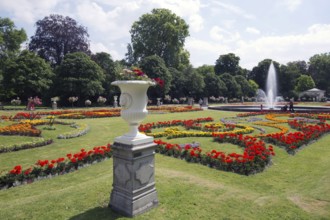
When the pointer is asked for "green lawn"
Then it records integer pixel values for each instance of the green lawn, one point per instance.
(293, 187)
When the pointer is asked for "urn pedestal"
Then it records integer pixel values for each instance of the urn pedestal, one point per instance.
(134, 189)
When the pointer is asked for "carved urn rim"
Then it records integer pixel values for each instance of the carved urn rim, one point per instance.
(141, 82)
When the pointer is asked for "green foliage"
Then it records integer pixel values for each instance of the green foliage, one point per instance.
(178, 83)
(205, 69)
(253, 85)
(319, 69)
(111, 72)
(154, 66)
(57, 36)
(233, 88)
(80, 76)
(27, 75)
(193, 82)
(10, 37)
(304, 82)
(228, 63)
(214, 86)
(160, 33)
(246, 88)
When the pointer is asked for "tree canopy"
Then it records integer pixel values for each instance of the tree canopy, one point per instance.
(10, 37)
(160, 33)
(80, 76)
(228, 63)
(319, 68)
(27, 75)
(57, 36)
(154, 66)
(304, 82)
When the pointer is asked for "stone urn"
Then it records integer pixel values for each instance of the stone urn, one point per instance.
(133, 101)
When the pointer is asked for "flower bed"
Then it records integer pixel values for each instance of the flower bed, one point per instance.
(295, 140)
(82, 129)
(47, 168)
(255, 158)
(40, 142)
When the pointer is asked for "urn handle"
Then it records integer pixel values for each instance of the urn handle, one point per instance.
(125, 100)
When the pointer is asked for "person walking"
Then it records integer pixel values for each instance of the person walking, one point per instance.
(291, 105)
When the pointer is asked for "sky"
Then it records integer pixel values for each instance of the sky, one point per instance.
(254, 30)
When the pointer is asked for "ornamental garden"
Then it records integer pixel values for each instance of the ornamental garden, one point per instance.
(40, 148)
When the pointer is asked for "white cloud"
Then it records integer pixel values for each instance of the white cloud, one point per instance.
(291, 5)
(195, 23)
(285, 48)
(28, 11)
(252, 30)
(234, 9)
(220, 34)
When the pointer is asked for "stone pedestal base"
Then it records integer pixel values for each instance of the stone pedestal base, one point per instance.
(134, 189)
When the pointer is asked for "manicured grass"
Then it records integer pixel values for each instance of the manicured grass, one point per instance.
(294, 187)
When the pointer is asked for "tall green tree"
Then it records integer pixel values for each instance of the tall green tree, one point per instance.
(246, 88)
(27, 75)
(161, 33)
(319, 69)
(178, 82)
(11, 39)
(78, 75)
(233, 88)
(288, 75)
(227, 63)
(205, 69)
(304, 82)
(154, 66)
(214, 86)
(194, 82)
(110, 70)
(57, 36)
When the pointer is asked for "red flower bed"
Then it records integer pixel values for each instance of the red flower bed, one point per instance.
(294, 140)
(62, 165)
(255, 158)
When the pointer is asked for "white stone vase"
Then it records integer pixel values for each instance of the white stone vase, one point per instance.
(133, 101)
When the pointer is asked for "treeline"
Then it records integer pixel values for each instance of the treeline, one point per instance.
(57, 62)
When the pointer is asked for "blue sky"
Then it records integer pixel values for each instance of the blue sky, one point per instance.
(282, 30)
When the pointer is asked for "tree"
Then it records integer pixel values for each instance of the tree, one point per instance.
(10, 42)
(79, 76)
(10, 37)
(254, 86)
(319, 69)
(228, 63)
(246, 88)
(304, 83)
(233, 88)
(259, 73)
(178, 83)
(130, 59)
(205, 69)
(193, 82)
(288, 76)
(160, 33)
(110, 70)
(27, 75)
(57, 36)
(214, 86)
(155, 67)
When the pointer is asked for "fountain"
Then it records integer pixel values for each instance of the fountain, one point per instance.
(271, 87)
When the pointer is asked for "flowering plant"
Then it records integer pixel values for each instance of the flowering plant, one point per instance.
(137, 74)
